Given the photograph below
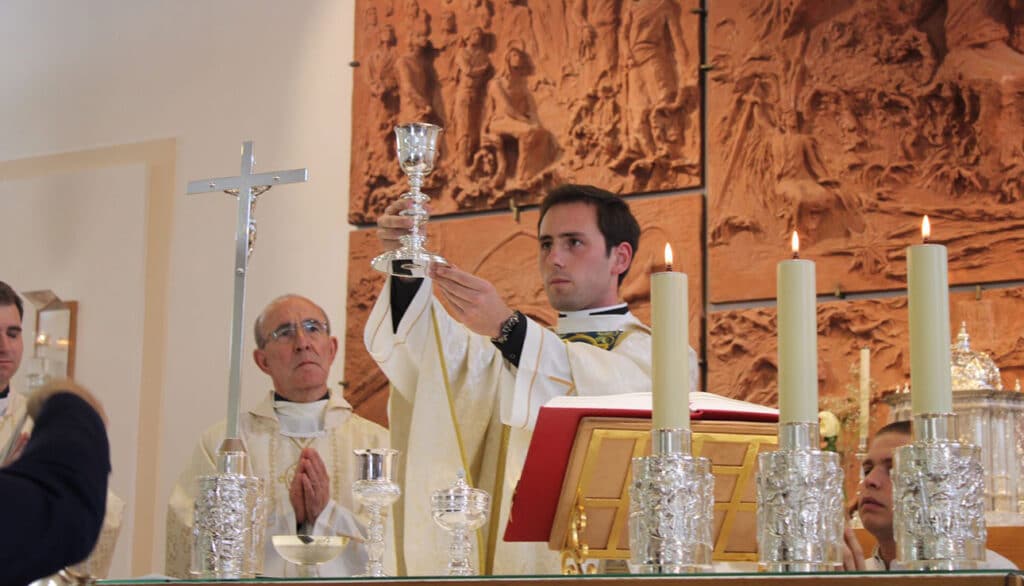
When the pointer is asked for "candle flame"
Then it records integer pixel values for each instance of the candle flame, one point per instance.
(794, 243)
(668, 256)
(926, 228)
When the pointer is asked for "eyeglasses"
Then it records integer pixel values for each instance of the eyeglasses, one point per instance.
(313, 328)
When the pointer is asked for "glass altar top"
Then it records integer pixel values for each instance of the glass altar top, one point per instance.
(959, 578)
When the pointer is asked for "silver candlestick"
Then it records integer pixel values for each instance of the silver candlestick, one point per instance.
(938, 488)
(671, 508)
(376, 489)
(229, 519)
(417, 153)
(460, 509)
(799, 504)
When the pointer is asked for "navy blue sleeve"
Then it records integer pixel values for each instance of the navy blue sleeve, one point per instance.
(512, 348)
(403, 290)
(53, 498)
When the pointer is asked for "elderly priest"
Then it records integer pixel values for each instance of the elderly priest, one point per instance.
(300, 439)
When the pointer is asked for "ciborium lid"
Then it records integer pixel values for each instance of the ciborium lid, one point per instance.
(460, 504)
(971, 370)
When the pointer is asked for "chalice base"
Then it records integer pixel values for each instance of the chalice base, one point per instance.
(935, 565)
(406, 262)
(670, 568)
(795, 567)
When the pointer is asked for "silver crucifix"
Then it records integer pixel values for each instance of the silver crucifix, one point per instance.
(247, 187)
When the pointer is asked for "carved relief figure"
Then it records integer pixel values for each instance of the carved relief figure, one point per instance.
(804, 187)
(523, 147)
(598, 24)
(416, 82)
(382, 80)
(652, 45)
(477, 13)
(446, 46)
(448, 36)
(516, 23)
(417, 21)
(472, 69)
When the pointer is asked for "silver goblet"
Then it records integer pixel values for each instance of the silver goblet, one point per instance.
(417, 151)
(376, 489)
(460, 509)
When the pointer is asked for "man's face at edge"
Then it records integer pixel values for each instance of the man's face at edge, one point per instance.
(11, 343)
(874, 502)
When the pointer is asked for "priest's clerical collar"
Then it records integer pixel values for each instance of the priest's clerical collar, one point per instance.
(300, 419)
(594, 320)
(4, 399)
(620, 309)
(5, 392)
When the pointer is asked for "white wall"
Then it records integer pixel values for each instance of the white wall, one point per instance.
(210, 74)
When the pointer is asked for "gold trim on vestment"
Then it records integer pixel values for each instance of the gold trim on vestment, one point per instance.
(455, 424)
(499, 489)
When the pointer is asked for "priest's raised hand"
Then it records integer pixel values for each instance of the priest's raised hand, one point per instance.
(474, 302)
(391, 225)
(310, 489)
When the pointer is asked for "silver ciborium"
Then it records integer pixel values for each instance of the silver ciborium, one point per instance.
(376, 489)
(460, 509)
(799, 504)
(417, 151)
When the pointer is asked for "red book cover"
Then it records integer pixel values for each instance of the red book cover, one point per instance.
(536, 497)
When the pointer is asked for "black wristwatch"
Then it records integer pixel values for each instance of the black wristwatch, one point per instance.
(506, 327)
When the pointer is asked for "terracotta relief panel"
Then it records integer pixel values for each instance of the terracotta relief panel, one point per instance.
(741, 348)
(504, 251)
(531, 94)
(848, 121)
(742, 359)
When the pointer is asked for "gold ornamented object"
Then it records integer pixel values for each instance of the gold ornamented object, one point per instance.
(599, 474)
(576, 551)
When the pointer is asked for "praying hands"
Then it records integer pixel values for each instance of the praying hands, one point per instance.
(310, 489)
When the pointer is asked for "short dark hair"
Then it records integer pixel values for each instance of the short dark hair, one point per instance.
(903, 427)
(614, 219)
(9, 296)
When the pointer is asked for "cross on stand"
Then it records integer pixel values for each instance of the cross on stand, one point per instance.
(247, 187)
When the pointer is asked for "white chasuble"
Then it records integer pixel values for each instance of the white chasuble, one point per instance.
(494, 406)
(334, 432)
(98, 562)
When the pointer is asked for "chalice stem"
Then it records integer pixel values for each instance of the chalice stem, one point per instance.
(375, 542)
(459, 552)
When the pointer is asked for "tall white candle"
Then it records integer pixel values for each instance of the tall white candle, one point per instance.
(797, 339)
(670, 378)
(928, 293)
(865, 393)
